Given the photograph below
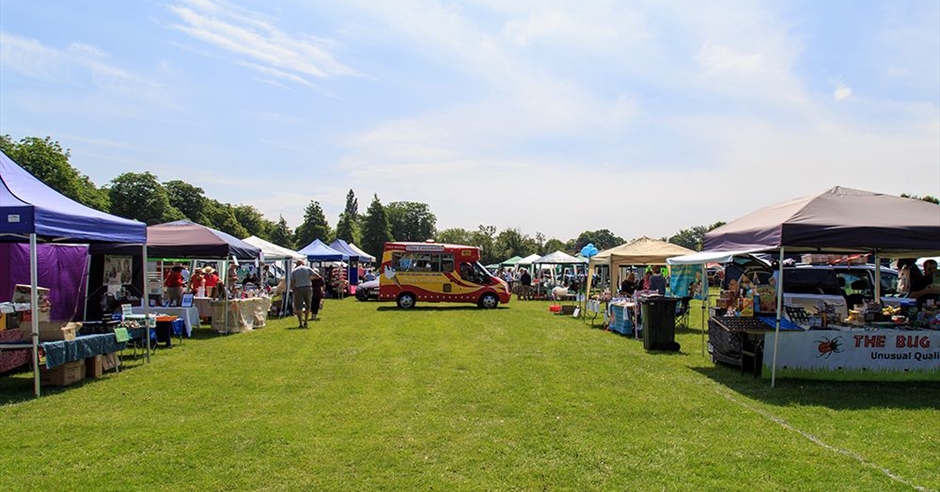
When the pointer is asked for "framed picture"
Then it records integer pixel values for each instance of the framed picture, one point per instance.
(153, 302)
(187, 300)
(174, 302)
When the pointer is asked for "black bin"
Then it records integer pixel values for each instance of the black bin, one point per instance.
(659, 322)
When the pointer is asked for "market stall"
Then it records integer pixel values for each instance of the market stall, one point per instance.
(874, 343)
(184, 239)
(32, 212)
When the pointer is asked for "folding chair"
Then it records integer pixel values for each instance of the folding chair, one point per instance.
(682, 313)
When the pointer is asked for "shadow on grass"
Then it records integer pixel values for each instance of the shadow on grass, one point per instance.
(18, 387)
(835, 395)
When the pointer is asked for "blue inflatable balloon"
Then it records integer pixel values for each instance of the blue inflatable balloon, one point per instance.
(589, 250)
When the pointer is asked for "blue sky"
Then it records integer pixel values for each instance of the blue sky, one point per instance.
(547, 116)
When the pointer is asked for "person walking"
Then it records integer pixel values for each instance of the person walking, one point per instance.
(318, 290)
(301, 278)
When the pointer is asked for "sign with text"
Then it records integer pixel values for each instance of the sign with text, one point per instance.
(856, 354)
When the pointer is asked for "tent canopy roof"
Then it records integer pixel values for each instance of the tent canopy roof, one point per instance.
(841, 220)
(528, 260)
(318, 251)
(272, 251)
(187, 239)
(559, 258)
(343, 247)
(363, 256)
(28, 206)
(642, 251)
(512, 261)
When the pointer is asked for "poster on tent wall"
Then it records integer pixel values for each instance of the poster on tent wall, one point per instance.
(118, 270)
(856, 355)
(686, 281)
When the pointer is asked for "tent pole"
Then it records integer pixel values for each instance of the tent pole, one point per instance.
(146, 302)
(877, 285)
(704, 304)
(779, 286)
(34, 308)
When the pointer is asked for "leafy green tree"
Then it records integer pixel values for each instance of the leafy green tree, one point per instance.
(454, 235)
(48, 162)
(140, 196)
(553, 245)
(314, 226)
(693, 238)
(411, 221)
(281, 235)
(190, 200)
(375, 229)
(347, 228)
(254, 223)
(512, 242)
(926, 198)
(222, 217)
(485, 239)
(602, 239)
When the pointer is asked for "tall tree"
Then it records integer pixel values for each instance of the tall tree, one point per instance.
(485, 239)
(222, 216)
(512, 242)
(453, 235)
(281, 235)
(141, 196)
(602, 239)
(693, 238)
(190, 200)
(254, 223)
(411, 221)
(553, 245)
(347, 228)
(48, 162)
(314, 226)
(375, 229)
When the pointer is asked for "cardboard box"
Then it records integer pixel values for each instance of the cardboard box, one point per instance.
(64, 375)
(50, 331)
(94, 367)
(21, 294)
(110, 361)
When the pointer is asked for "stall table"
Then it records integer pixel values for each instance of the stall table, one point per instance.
(243, 314)
(189, 315)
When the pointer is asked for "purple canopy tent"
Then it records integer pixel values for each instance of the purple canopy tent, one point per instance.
(30, 212)
(837, 220)
(62, 269)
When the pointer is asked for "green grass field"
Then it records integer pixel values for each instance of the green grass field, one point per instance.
(450, 397)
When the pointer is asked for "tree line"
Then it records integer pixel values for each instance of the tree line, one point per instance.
(143, 197)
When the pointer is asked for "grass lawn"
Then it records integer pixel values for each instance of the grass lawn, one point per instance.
(450, 397)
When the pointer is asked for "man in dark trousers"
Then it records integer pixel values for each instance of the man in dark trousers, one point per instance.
(525, 285)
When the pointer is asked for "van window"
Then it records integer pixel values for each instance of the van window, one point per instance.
(416, 262)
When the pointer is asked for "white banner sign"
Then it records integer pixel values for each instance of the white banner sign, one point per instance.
(856, 354)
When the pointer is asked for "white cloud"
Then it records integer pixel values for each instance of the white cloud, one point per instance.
(842, 92)
(257, 44)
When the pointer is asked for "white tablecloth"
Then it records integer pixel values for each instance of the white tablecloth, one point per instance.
(189, 315)
(243, 314)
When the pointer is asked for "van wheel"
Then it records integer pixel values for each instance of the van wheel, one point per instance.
(489, 301)
(406, 301)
